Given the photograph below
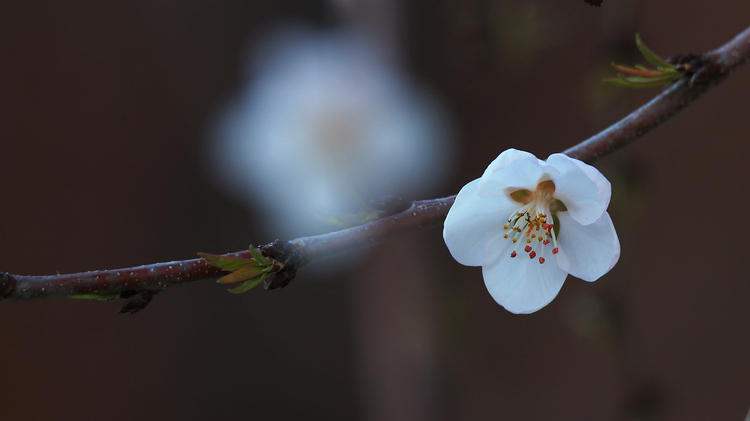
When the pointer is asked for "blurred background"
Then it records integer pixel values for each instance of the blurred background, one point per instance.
(146, 131)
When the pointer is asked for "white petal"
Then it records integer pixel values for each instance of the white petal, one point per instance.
(505, 158)
(577, 190)
(587, 252)
(521, 285)
(472, 221)
(514, 170)
(605, 188)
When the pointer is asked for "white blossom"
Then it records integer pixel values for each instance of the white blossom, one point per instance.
(327, 118)
(529, 223)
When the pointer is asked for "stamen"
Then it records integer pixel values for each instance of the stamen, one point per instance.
(533, 220)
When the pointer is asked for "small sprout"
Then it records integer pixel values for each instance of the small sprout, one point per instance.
(248, 272)
(642, 77)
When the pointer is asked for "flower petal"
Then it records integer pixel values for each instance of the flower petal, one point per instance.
(513, 170)
(505, 158)
(521, 285)
(576, 189)
(587, 252)
(472, 221)
(604, 186)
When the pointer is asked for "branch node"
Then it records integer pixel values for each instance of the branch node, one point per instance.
(7, 284)
(699, 69)
(288, 259)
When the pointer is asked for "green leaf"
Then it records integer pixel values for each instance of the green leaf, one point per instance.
(650, 56)
(225, 262)
(248, 284)
(243, 274)
(259, 257)
(107, 296)
(250, 272)
(642, 82)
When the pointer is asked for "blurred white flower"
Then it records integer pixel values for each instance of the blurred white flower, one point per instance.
(324, 120)
(529, 223)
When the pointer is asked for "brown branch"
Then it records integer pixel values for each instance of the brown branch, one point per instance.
(665, 105)
(138, 284)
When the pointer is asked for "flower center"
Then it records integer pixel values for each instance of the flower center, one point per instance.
(534, 224)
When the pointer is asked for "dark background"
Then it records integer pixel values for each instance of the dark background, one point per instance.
(103, 113)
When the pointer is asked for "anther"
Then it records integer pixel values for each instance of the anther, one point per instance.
(513, 254)
(532, 254)
(527, 249)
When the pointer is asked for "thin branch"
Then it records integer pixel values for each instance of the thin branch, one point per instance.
(151, 279)
(665, 105)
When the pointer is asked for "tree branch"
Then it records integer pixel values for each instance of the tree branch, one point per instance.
(665, 105)
(138, 284)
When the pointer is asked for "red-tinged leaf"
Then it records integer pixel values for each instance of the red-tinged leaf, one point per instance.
(243, 274)
(226, 262)
(638, 72)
